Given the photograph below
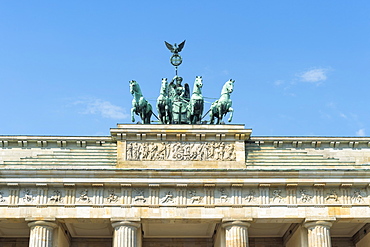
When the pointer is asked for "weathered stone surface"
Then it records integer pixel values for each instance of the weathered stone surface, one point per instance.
(273, 183)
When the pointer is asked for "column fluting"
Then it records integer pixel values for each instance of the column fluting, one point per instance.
(236, 233)
(125, 234)
(41, 233)
(318, 233)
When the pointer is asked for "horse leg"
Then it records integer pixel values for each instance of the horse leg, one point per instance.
(211, 117)
(161, 114)
(132, 114)
(159, 110)
(196, 114)
(169, 114)
(197, 118)
(200, 113)
(220, 114)
(231, 110)
(166, 115)
(148, 113)
(143, 114)
(145, 118)
(193, 113)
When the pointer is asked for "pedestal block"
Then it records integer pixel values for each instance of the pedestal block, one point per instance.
(236, 233)
(41, 233)
(318, 233)
(125, 234)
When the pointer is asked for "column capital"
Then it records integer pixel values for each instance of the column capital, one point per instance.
(240, 223)
(43, 223)
(311, 224)
(126, 223)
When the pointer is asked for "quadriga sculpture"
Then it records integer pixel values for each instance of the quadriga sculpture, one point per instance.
(140, 106)
(196, 102)
(222, 106)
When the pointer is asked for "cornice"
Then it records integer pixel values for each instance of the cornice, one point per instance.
(135, 132)
(213, 174)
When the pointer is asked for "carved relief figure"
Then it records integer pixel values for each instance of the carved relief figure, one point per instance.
(180, 151)
(27, 196)
(135, 151)
(161, 155)
(304, 196)
(56, 197)
(153, 148)
(1, 197)
(224, 195)
(357, 197)
(218, 151)
(112, 198)
(144, 150)
(229, 153)
(129, 151)
(194, 197)
(277, 195)
(84, 197)
(250, 196)
(139, 196)
(168, 198)
(332, 196)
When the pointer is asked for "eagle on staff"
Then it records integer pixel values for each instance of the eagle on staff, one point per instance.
(175, 59)
(175, 49)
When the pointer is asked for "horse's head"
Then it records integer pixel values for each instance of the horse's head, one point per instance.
(164, 86)
(198, 84)
(134, 87)
(228, 87)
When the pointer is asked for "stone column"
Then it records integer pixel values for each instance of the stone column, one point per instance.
(125, 234)
(41, 233)
(318, 233)
(236, 233)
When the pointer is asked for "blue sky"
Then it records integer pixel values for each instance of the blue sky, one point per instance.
(301, 68)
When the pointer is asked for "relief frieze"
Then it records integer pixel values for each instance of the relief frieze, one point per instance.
(1, 197)
(139, 197)
(191, 151)
(28, 197)
(305, 197)
(357, 197)
(277, 196)
(190, 196)
(224, 196)
(84, 197)
(332, 196)
(112, 197)
(251, 196)
(194, 198)
(56, 197)
(168, 198)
